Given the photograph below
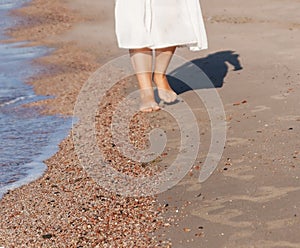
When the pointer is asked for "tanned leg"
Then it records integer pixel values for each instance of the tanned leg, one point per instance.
(163, 57)
(142, 63)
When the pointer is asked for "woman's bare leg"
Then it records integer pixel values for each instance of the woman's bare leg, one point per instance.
(142, 63)
(163, 57)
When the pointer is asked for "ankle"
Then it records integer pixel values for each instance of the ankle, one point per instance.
(147, 93)
(159, 77)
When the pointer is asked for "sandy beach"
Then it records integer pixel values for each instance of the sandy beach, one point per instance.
(253, 197)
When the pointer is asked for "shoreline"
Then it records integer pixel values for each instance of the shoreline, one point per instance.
(65, 192)
(20, 55)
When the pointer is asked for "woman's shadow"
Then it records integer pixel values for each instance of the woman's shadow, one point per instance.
(204, 73)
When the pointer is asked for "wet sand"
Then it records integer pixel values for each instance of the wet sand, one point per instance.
(66, 208)
(251, 200)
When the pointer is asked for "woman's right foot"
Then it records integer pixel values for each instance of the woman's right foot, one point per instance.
(149, 107)
(148, 103)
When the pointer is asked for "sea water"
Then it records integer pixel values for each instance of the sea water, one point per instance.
(27, 138)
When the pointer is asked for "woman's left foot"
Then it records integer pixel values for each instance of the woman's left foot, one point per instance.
(167, 96)
(165, 92)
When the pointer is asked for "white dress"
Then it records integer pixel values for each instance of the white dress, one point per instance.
(159, 23)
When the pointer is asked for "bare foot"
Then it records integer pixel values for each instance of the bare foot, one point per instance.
(148, 103)
(165, 92)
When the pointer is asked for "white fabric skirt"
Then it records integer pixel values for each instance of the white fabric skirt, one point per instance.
(159, 24)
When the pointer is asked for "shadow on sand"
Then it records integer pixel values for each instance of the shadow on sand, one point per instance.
(204, 73)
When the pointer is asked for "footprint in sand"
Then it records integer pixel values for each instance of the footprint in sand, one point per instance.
(236, 141)
(280, 96)
(217, 211)
(266, 193)
(289, 118)
(241, 237)
(282, 223)
(191, 185)
(240, 173)
(266, 244)
(260, 108)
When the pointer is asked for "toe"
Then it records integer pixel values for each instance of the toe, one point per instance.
(149, 107)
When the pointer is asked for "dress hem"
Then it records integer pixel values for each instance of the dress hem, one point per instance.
(192, 46)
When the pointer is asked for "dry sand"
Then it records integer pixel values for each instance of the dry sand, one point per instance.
(252, 199)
